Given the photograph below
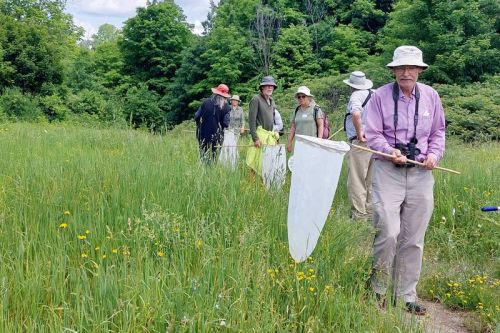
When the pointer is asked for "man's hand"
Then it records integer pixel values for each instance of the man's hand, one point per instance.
(257, 143)
(362, 138)
(430, 162)
(397, 157)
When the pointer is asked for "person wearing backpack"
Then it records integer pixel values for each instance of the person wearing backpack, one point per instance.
(359, 162)
(307, 118)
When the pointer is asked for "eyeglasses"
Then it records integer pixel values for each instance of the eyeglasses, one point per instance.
(301, 96)
(409, 68)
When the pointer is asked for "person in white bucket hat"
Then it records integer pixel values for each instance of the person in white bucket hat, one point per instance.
(359, 162)
(406, 120)
(307, 119)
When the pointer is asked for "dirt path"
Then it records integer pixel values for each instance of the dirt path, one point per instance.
(440, 319)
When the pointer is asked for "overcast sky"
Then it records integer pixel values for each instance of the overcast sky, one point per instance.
(90, 14)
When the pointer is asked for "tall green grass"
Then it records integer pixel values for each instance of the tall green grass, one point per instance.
(123, 231)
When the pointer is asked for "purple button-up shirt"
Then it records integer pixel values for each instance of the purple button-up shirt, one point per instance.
(379, 121)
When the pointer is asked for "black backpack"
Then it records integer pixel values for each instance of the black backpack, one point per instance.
(362, 105)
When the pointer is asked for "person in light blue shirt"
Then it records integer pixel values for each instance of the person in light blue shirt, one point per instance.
(359, 162)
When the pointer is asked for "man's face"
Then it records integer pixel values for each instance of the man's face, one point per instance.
(267, 90)
(407, 76)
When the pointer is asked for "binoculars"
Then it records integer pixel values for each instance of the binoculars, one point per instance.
(409, 150)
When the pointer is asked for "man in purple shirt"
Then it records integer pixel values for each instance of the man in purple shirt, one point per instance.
(406, 120)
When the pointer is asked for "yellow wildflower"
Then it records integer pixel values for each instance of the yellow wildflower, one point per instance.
(312, 289)
(63, 225)
(84, 255)
(104, 256)
(199, 244)
(160, 254)
(82, 237)
(114, 250)
(67, 213)
(87, 231)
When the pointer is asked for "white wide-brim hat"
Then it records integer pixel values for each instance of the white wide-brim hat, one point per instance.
(358, 80)
(235, 98)
(407, 56)
(304, 90)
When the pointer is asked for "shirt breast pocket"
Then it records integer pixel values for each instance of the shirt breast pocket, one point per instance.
(424, 122)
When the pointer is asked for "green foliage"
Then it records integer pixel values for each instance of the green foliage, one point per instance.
(458, 38)
(103, 107)
(152, 44)
(141, 108)
(53, 107)
(120, 243)
(29, 54)
(472, 111)
(293, 59)
(364, 15)
(81, 72)
(17, 105)
(35, 38)
(346, 47)
(473, 292)
(107, 33)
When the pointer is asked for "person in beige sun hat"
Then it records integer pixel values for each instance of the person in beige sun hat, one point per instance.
(407, 56)
(404, 119)
(359, 162)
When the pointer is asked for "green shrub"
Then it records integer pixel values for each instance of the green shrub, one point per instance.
(472, 111)
(142, 109)
(97, 106)
(53, 107)
(19, 106)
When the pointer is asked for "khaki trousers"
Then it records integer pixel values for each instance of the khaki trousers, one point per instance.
(359, 181)
(403, 201)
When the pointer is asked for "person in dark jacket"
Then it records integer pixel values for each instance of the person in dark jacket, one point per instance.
(211, 119)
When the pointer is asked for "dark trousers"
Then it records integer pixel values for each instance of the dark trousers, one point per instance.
(208, 152)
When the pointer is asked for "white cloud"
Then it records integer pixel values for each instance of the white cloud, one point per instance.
(198, 28)
(113, 8)
(90, 29)
(91, 14)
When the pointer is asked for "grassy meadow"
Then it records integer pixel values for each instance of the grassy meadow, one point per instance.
(107, 230)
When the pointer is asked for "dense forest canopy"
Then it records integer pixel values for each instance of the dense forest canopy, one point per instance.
(154, 72)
